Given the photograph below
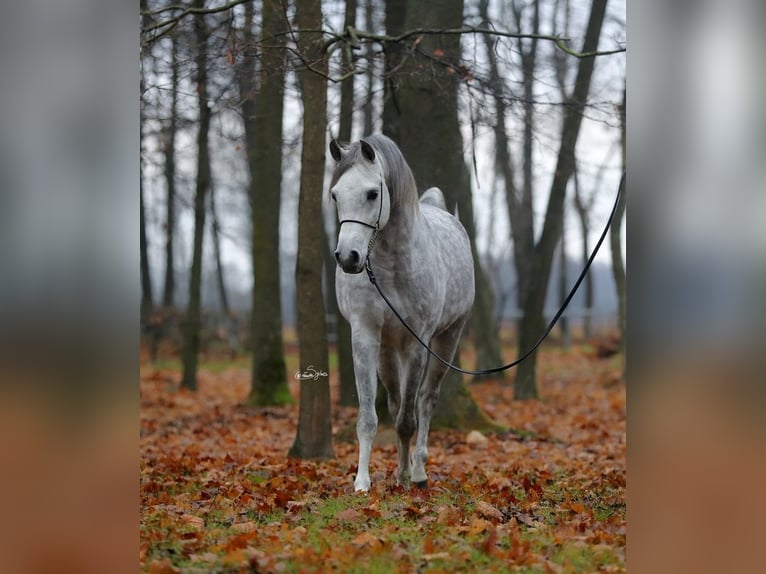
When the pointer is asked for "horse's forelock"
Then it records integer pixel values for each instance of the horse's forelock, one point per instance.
(399, 178)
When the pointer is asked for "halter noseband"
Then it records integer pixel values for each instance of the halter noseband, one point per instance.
(375, 228)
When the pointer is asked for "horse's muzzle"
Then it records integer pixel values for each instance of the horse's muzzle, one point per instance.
(351, 262)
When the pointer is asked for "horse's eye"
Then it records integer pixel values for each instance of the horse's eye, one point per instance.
(372, 194)
(334, 196)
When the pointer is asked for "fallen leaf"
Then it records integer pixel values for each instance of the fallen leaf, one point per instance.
(196, 522)
(349, 515)
(245, 527)
(447, 515)
(367, 539)
(163, 567)
(436, 556)
(488, 545)
(488, 511)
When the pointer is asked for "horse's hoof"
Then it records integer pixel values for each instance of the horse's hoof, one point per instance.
(422, 484)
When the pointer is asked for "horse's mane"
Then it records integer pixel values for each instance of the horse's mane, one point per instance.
(399, 178)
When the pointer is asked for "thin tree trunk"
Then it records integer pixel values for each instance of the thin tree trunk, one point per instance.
(146, 278)
(147, 304)
(583, 208)
(615, 236)
(192, 321)
(347, 87)
(314, 436)
(263, 134)
(532, 325)
(525, 233)
(368, 104)
(566, 335)
(519, 214)
(170, 179)
(343, 329)
(216, 232)
(396, 11)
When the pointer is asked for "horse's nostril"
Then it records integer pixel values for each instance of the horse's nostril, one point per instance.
(337, 257)
(354, 256)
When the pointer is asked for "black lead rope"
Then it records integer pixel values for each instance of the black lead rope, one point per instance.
(556, 317)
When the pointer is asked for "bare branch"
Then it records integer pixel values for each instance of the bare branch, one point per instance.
(354, 34)
(185, 11)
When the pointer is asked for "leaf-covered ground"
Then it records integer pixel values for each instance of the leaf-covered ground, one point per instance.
(218, 493)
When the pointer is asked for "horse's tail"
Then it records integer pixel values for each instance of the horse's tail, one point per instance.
(434, 196)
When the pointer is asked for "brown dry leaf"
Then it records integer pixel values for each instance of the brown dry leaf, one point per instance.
(367, 539)
(195, 522)
(447, 515)
(477, 526)
(163, 567)
(488, 511)
(576, 507)
(428, 545)
(436, 556)
(349, 515)
(488, 545)
(245, 527)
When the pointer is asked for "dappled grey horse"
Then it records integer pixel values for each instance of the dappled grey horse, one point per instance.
(422, 260)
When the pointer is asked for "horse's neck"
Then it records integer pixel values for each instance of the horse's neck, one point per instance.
(397, 239)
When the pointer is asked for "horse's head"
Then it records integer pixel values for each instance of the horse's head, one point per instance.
(362, 198)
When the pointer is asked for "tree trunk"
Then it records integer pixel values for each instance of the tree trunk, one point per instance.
(170, 179)
(314, 436)
(396, 11)
(583, 208)
(216, 232)
(566, 335)
(431, 142)
(146, 278)
(523, 230)
(147, 304)
(615, 235)
(263, 134)
(503, 160)
(343, 329)
(347, 86)
(368, 104)
(532, 325)
(192, 322)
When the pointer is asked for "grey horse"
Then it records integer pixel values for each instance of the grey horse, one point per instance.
(422, 260)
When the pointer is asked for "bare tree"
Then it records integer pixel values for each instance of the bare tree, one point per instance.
(618, 267)
(524, 234)
(532, 325)
(146, 279)
(566, 334)
(262, 113)
(314, 436)
(215, 231)
(147, 304)
(192, 321)
(169, 145)
(345, 357)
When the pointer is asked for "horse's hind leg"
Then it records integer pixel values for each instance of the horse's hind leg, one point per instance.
(444, 344)
(406, 421)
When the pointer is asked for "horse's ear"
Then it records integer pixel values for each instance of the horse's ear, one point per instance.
(336, 151)
(367, 151)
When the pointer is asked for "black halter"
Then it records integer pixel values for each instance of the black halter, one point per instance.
(375, 228)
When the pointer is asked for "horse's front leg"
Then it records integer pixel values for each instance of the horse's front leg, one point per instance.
(365, 351)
